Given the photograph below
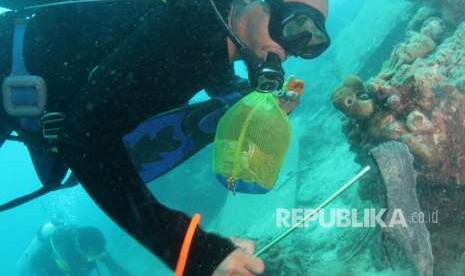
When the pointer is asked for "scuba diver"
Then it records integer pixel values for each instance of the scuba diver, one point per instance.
(60, 250)
(81, 75)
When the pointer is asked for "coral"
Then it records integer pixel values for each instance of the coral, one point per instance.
(380, 89)
(396, 104)
(434, 28)
(450, 10)
(423, 151)
(355, 83)
(418, 123)
(349, 99)
(420, 16)
(417, 45)
(417, 98)
(384, 126)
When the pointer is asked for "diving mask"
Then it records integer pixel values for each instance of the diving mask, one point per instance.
(298, 28)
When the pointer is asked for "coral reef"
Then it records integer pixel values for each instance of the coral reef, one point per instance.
(422, 14)
(418, 98)
(450, 10)
(418, 44)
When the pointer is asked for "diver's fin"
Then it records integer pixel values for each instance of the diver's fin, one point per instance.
(160, 143)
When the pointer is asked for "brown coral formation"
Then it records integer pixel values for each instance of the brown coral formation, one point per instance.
(450, 10)
(419, 43)
(418, 98)
(349, 98)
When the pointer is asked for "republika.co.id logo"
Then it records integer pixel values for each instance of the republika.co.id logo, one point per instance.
(356, 218)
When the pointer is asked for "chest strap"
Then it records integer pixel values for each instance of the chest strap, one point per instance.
(24, 95)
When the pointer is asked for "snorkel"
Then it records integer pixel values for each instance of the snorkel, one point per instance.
(265, 75)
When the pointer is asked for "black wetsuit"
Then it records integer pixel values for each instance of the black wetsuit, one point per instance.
(109, 66)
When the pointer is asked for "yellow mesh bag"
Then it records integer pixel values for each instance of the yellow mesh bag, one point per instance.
(251, 142)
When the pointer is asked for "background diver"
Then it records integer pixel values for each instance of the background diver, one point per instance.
(61, 250)
(99, 69)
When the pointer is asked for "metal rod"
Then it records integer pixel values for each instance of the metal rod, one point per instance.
(315, 212)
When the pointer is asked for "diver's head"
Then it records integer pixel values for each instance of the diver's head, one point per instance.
(282, 27)
(90, 243)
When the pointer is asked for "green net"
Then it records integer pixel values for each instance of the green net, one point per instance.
(251, 142)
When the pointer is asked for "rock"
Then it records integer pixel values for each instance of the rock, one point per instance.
(396, 167)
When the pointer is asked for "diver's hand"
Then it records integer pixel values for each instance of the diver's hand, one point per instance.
(241, 261)
(289, 96)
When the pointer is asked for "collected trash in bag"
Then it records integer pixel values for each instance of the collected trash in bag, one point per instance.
(250, 144)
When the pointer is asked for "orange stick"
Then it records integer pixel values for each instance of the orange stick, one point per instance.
(186, 245)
